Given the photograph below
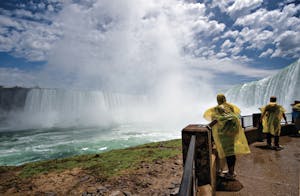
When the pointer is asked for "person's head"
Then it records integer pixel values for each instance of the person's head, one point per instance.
(273, 99)
(221, 99)
(295, 102)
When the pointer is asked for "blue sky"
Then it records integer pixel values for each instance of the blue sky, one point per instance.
(135, 44)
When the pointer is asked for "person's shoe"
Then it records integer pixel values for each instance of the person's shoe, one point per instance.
(269, 146)
(277, 148)
(229, 176)
(226, 172)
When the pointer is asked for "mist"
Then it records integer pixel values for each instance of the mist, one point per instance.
(132, 48)
(160, 50)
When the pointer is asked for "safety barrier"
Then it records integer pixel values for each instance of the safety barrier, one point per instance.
(198, 172)
(253, 120)
(188, 185)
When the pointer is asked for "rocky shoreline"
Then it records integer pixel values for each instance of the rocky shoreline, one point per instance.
(161, 176)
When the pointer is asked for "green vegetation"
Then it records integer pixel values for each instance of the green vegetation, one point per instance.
(106, 164)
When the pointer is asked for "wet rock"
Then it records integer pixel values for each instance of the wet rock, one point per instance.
(172, 186)
(117, 193)
(11, 191)
(91, 190)
(87, 194)
(174, 191)
(175, 184)
(50, 194)
(228, 185)
(159, 162)
(84, 178)
(101, 189)
(127, 193)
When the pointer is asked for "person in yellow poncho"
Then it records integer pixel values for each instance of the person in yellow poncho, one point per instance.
(271, 116)
(227, 133)
(296, 115)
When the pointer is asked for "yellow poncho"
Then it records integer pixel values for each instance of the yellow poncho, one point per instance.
(228, 133)
(272, 115)
(296, 107)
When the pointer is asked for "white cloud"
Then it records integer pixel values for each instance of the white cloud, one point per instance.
(10, 77)
(221, 55)
(242, 7)
(256, 38)
(266, 53)
(235, 50)
(276, 19)
(8, 22)
(276, 27)
(236, 8)
(234, 66)
(222, 4)
(28, 34)
(230, 34)
(287, 44)
(118, 44)
(226, 44)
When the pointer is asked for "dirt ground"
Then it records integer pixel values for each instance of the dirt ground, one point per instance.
(159, 178)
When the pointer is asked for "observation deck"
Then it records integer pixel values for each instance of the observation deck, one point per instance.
(262, 172)
(269, 172)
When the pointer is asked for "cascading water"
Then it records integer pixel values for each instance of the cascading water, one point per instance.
(63, 108)
(284, 85)
(58, 123)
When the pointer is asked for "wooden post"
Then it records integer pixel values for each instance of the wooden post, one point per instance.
(202, 153)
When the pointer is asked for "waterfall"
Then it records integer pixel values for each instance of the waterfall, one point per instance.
(58, 107)
(284, 85)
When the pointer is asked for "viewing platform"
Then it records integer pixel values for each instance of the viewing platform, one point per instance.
(262, 172)
(269, 172)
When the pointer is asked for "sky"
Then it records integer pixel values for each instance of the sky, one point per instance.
(137, 45)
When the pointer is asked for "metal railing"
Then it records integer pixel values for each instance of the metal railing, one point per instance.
(289, 117)
(188, 182)
(247, 120)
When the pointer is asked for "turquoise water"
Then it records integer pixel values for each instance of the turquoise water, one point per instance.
(21, 146)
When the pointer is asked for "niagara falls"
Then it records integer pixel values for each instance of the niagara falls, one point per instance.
(86, 77)
(156, 97)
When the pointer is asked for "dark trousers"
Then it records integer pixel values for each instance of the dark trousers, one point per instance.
(231, 163)
(269, 140)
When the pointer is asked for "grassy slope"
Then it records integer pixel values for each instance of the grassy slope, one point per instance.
(103, 165)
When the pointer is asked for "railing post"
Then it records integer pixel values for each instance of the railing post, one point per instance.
(203, 152)
(256, 119)
(243, 122)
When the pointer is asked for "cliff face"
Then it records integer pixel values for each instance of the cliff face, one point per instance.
(12, 98)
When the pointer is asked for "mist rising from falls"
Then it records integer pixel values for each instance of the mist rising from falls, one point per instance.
(46, 108)
(57, 107)
(284, 85)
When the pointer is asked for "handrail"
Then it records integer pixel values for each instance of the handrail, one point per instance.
(288, 115)
(187, 186)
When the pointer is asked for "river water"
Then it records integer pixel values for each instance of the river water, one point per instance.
(21, 146)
